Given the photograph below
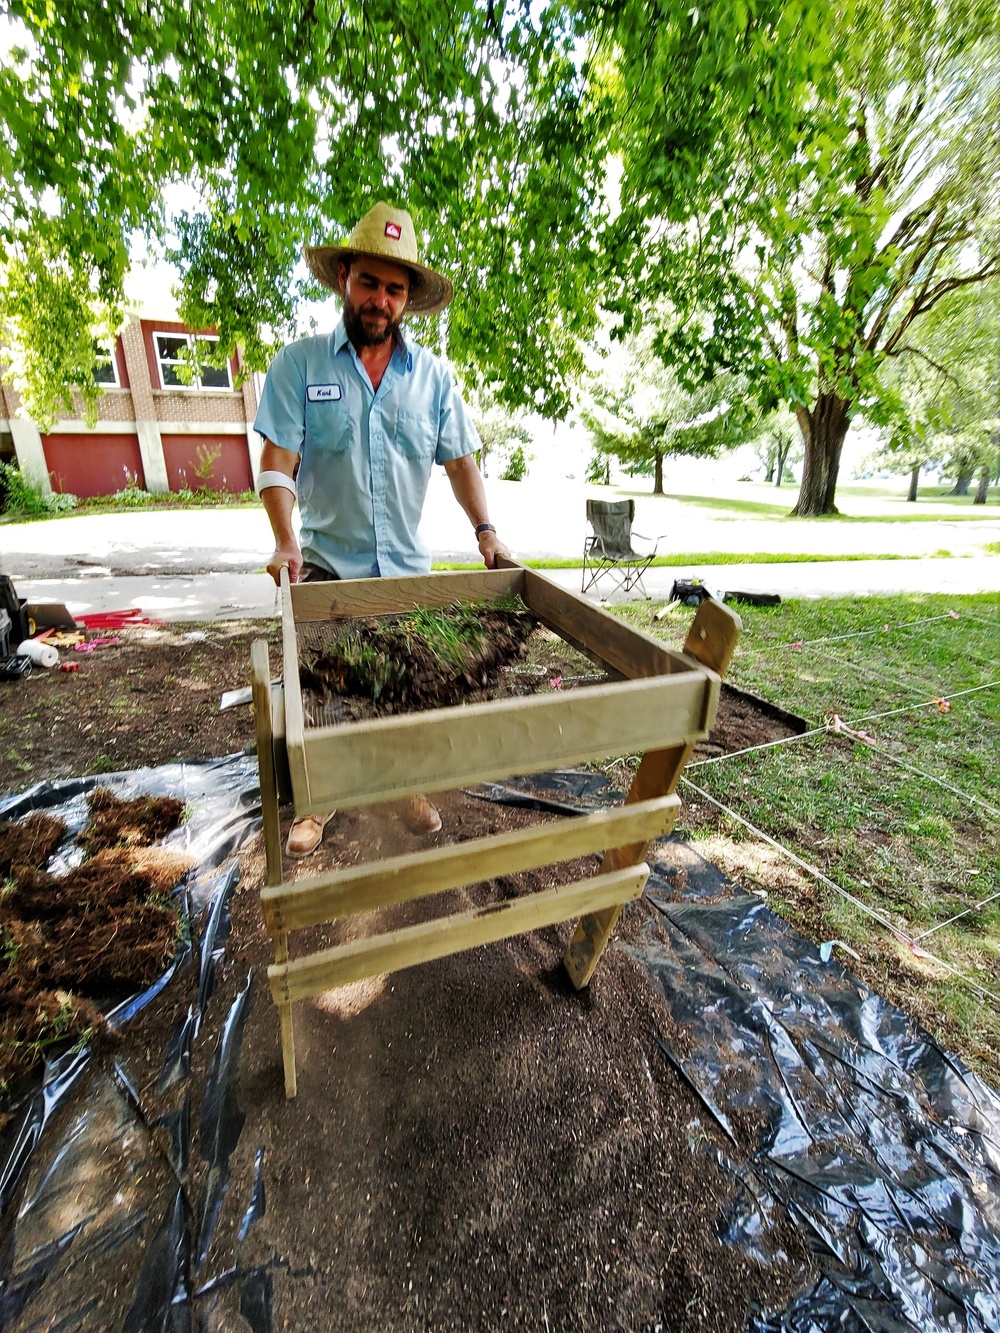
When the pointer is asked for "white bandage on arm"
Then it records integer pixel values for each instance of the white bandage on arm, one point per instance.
(266, 479)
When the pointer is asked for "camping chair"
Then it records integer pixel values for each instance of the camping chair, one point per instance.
(609, 550)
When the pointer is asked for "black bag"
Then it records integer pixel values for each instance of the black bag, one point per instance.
(690, 592)
(14, 606)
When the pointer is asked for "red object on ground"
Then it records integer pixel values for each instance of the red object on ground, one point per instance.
(94, 643)
(115, 619)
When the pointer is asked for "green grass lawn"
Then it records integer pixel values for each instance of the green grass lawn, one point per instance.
(890, 509)
(901, 823)
(679, 559)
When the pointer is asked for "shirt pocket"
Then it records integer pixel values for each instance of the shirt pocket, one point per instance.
(328, 427)
(415, 435)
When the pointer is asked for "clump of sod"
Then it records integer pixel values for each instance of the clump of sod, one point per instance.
(70, 942)
(424, 658)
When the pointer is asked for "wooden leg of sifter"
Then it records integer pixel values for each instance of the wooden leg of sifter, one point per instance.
(261, 689)
(712, 640)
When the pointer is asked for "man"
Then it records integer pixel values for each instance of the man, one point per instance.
(352, 424)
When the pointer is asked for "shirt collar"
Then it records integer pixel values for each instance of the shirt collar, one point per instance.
(402, 350)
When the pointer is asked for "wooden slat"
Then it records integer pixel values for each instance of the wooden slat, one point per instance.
(358, 763)
(294, 717)
(620, 646)
(261, 695)
(375, 597)
(713, 636)
(448, 935)
(262, 705)
(398, 879)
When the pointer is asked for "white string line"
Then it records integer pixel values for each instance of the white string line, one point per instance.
(912, 768)
(816, 731)
(784, 741)
(861, 633)
(964, 651)
(872, 745)
(978, 907)
(909, 708)
(750, 749)
(844, 893)
(878, 675)
(993, 624)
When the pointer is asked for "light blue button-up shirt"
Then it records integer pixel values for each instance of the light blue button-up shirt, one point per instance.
(366, 456)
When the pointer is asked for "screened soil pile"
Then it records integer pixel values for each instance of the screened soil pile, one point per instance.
(97, 933)
(474, 1145)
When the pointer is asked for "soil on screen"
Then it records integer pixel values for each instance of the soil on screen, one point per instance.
(474, 1144)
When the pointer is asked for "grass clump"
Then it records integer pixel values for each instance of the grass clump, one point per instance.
(423, 658)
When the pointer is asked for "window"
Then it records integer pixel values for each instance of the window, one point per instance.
(106, 365)
(172, 354)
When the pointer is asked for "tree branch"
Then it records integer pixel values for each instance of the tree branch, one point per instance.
(927, 299)
(943, 371)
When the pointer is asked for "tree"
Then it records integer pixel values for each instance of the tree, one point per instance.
(501, 433)
(637, 410)
(805, 182)
(948, 389)
(282, 124)
(775, 445)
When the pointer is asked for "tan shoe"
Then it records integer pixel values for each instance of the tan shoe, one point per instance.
(420, 816)
(306, 834)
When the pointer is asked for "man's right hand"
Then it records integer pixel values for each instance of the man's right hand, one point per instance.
(285, 556)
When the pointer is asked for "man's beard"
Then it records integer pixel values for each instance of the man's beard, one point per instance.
(370, 332)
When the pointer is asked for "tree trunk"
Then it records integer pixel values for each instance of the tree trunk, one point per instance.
(782, 446)
(961, 486)
(823, 432)
(984, 485)
(914, 478)
(658, 473)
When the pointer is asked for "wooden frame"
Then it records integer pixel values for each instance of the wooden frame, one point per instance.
(658, 702)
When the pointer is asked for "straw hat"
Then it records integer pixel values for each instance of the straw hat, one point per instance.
(384, 233)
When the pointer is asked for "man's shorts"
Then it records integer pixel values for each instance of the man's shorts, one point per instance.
(311, 573)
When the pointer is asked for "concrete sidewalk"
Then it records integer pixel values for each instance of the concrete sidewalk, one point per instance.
(206, 564)
(186, 597)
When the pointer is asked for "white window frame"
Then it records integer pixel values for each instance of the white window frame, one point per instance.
(196, 385)
(112, 353)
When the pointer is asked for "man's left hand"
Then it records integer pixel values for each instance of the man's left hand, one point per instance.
(490, 546)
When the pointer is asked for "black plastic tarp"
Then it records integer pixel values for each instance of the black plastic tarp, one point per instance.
(90, 1185)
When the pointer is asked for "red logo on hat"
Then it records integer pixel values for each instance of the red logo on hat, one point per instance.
(393, 230)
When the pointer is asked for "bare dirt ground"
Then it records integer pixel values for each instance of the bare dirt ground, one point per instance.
(473, 1145)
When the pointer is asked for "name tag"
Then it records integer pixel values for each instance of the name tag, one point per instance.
(323, 393)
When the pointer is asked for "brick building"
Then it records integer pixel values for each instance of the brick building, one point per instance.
(153, 430)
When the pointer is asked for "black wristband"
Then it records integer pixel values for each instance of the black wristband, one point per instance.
(484, 527)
